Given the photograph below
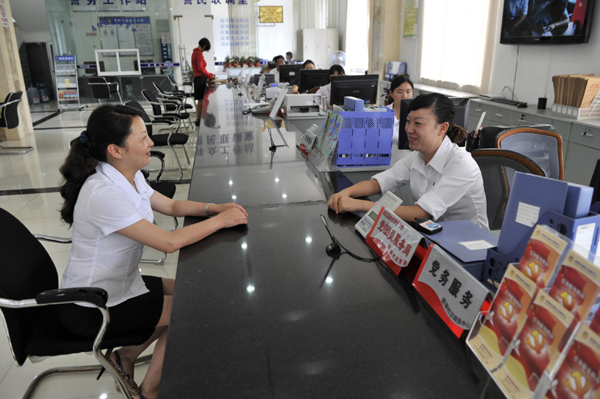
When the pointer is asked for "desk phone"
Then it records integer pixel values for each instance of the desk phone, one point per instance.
(389, 200)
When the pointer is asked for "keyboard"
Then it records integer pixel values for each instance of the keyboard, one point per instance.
(518, 104)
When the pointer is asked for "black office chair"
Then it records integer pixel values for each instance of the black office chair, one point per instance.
(103, 90)
(28, 286)
(174, 95)
(181, 108)
(9, 119)
(171, 140)
(157, 105)
(497, 169)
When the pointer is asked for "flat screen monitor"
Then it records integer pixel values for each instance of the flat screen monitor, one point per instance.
(359, 86)
(287, 73)
(268, 78)
(311, 78)
(548, 21)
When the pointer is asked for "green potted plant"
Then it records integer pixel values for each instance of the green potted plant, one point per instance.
(256, 62)
(235, 60)
(242, 61)
(227, 61)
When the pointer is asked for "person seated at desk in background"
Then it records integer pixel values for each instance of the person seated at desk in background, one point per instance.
(289, 57)
(201, 75)
(308, 64)
(445, 181)
(400, 88)
(325, 91)
(110, 206)
(278, 60)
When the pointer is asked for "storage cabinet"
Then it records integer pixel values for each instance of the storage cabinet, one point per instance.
(581, 161)
(319, 44)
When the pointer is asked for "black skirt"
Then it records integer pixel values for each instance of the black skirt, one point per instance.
(140, 313)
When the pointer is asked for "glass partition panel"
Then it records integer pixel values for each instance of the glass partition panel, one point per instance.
(80, 27)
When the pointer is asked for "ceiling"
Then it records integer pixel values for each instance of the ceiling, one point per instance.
(30, 15)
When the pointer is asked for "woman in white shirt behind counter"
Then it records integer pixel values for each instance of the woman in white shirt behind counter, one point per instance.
(325, 91)
(109, 206)
(445, 181)
(400, 88)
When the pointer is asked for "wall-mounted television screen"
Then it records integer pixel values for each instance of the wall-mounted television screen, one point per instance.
(546, 21)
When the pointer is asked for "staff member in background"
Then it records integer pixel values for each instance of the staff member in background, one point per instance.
(279, 61)
(288, 57)
(308, 64)
(201, 75)
(110, 207)
(445, 181)
(325, 91)
(400, 88)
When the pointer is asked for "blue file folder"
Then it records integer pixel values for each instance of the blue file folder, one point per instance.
(529, 190)
(457, 231)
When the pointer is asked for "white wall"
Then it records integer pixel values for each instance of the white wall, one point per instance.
(278, 39)
(536, 63)
(410, 47)
(194, 26)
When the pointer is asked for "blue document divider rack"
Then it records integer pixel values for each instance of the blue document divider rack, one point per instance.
(365, 138)
(496, 263)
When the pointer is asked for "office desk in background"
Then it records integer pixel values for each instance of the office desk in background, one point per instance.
(263, 312)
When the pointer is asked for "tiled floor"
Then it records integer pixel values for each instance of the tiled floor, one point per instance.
(38, 210)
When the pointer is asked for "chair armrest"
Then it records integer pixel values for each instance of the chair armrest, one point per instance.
(2, 105)
(157, 154)
(92, 295)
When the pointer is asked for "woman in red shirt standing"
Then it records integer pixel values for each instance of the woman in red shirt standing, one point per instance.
(201, 75)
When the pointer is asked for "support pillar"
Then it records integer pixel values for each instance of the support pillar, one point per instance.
(11, 74)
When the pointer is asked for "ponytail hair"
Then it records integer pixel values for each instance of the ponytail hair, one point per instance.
(443, 110)
(457, 134)
(108, 124)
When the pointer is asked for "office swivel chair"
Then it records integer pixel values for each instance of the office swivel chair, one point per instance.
(28, 295)
(542, 146)
(103, 90)
(9, 119)
(160, 140)
(157, 106)
(497, 170)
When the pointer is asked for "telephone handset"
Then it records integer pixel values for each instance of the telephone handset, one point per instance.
(389, 200)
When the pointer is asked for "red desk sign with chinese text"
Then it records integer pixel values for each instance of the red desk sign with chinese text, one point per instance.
(393, 240)
(453, 293)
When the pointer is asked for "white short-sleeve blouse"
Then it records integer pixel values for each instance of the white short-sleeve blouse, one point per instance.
(100, 257)
(449, 187)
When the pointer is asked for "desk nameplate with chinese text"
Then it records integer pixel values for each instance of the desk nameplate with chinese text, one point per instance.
(393, 240)
(454, 294)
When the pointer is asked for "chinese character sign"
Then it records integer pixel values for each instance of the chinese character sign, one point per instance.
(450, 290)
(393, 240)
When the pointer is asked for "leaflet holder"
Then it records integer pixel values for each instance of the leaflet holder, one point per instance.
(496, 262)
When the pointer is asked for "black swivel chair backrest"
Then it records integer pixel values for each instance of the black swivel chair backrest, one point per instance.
(497, 170)
(100, 88)
(25, 271)
(148, 95)
(9, 115)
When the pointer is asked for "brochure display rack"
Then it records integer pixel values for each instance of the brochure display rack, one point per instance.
(67, 89)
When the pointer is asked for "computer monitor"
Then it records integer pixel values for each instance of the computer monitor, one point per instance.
(461, 107)
(269, 78)
(287, 73)
(360, 86)
(311, 78)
